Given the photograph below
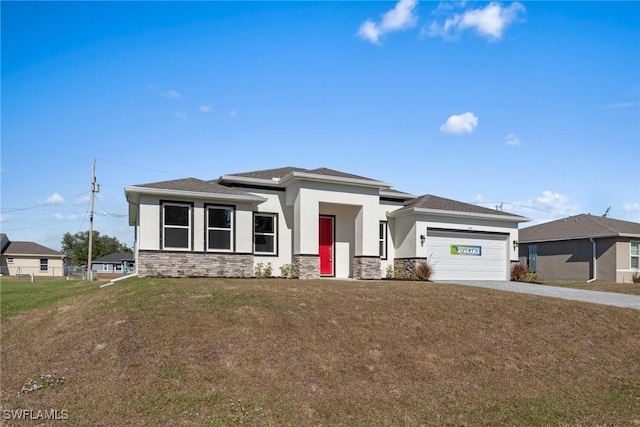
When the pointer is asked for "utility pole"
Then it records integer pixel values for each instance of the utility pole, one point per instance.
(94, 189)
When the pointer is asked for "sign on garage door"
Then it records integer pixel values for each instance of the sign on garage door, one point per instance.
(468, 256)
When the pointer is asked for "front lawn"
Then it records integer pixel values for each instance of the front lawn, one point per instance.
(223, 352)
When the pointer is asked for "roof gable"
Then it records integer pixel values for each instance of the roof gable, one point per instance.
(579, 226)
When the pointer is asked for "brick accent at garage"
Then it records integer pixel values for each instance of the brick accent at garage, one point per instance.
(404, 267)
(306, 266)
(366, 267)
(194, 264)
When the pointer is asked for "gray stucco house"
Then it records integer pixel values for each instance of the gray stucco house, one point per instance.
(117, 262)
(320, 222)
(582, 248)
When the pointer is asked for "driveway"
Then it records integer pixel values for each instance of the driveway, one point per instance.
(606, 298)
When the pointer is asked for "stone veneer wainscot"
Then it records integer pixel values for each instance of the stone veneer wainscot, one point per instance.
(366, 267)
(405, 267)
(194, 264)
(306, 266)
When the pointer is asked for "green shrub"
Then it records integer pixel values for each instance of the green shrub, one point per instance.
(532, 277)
(263, 270)
(636, 277)
(286, 271)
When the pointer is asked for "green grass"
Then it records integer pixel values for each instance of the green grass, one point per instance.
(19, 295)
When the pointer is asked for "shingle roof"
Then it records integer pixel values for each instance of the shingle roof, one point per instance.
(115, 257)
(429, 201)
(282, 172)
(29, 248)
(578, 226)
(192, 185)
(269, 173)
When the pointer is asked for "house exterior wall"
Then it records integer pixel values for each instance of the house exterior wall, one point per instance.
(23, 264)
(573, 260)
(624, 272)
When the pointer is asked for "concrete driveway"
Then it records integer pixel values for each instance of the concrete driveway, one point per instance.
(606, 298)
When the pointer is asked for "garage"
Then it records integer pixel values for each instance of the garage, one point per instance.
(460, 255)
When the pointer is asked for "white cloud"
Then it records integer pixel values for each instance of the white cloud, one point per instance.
(490, 21)
(55, 199)
(4, 217)
(511, 139)
(182, 115)
(552, 203)
(206, 109)
(478, 198)
(173, 94)
(399, 18)
(233, 113)
(631, 207)
(459, 124)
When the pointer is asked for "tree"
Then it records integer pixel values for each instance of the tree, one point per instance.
(76, 246)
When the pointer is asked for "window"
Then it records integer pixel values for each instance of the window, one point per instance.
(220, 228)
(105, 267)
(44, 264)
(10, 260)
(264, 233)
(176, 227)
(635, 255)
(383, 239)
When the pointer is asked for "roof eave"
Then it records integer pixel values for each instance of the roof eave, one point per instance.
(192, 194)
(593, 236)
(458, 214)
(294, 176)
(397, 195)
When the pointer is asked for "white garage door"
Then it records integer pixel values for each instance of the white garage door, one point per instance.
(467, 256)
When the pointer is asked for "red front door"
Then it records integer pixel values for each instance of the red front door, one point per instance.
(326, 245)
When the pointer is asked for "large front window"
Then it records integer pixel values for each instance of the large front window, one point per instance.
(264, 233)
(220, 228)
(635, 255)
(176, 226)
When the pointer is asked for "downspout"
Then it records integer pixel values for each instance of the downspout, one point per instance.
(593, 244)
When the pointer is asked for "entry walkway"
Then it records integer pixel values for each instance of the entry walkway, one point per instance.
(606, 298)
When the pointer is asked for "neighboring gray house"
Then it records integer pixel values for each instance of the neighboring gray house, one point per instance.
(118, 262)
(582, 248)
(321, 222)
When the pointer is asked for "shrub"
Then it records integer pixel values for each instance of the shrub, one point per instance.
(519, 273)
(286, 271)
(263, 270)
(636, 277)
(422, 271)
(532, 277)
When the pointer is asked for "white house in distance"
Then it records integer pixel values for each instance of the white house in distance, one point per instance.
(322, 222)
(29, 258)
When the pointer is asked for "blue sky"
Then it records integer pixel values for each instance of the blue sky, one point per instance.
(534, 106)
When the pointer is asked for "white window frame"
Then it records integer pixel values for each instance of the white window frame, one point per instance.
(636, 255)
(44, 262)
(230, 230)
(182, 227)
(274, 233)
(383, 239)
(10, 260)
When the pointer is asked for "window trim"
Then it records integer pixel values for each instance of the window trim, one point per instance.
(276, 240)
(163, 227)
(232, 229)
(44, 262)
(10, 260)
(631, 256)
(384, 239)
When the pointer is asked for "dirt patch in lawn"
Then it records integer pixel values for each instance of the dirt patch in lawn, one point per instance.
(288, 352)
